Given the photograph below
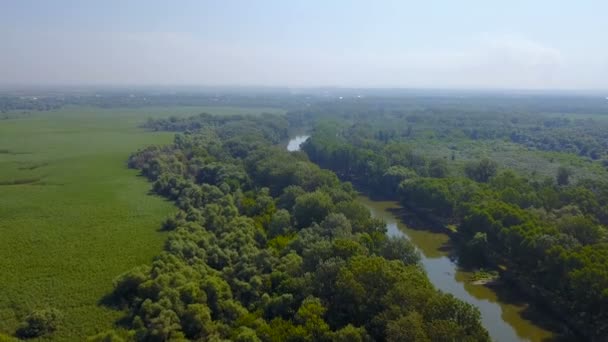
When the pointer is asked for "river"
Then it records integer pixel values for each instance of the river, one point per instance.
(502, 313)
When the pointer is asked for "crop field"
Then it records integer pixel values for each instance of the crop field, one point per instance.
(72, 215)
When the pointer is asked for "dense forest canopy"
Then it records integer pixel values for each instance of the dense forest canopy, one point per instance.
(548, 234)
(266, 246)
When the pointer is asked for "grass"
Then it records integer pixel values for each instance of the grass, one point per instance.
(72, 215)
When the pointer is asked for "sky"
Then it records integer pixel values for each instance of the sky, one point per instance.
(470, 44)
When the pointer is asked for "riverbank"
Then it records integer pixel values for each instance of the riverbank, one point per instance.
(504, 313)
(504, 316)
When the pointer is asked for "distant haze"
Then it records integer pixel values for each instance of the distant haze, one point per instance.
(428, 44)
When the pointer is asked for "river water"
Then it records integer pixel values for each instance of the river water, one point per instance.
(502, 313)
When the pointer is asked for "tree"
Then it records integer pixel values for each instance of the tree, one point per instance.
(482, 170)
(280, 223)
(400, 248)
(350, 334)
(312, 207)
(196, 321)
(563, 175)
(393, 176)
(336, 225)
(438, 168)
(407, 328)
(581, 228)
(39, 323)
(310, 315)
(428, 194)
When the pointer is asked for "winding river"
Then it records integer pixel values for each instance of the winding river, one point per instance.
(502, 313)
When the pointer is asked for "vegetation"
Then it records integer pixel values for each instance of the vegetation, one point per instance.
(39, 323)
(548, 231)
(72, 215)
(266, 246)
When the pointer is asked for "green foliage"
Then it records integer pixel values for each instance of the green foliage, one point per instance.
(407, 328)
(563, 176)
(235, 268)
(399, 248)
(312, 207)
(40, 322)
(527, 222)
(429, 194)
(85, 220)
(351, 334)
(482, 170)
(582, 228)
(438, 168)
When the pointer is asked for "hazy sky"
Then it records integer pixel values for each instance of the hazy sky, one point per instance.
(531, 44)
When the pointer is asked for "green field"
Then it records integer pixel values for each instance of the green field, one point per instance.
(72, 215)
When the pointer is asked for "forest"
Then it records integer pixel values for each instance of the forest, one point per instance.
(267, 246)
(312, 264)
(271, 245)
(547, 235)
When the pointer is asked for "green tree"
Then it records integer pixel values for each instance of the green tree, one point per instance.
(407, 328)
(438, 168)
(39, 323)
(582, 228)
(563, 175)
(310, 315)
(351, 334)
(482, 170)
(280, 223)
(312, 207)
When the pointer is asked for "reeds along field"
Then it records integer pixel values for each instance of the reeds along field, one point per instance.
(72, 215)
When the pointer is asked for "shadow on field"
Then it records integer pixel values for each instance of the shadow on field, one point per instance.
(114, 302)
(12, 153)
(34, 166)
(21, 181)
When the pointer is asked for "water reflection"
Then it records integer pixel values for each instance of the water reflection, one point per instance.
(503, 319)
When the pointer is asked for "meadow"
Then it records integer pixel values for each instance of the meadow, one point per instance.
(72, 215)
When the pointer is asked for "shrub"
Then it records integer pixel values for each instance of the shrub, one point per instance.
(39, 322)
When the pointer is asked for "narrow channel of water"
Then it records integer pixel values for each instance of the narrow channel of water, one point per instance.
(502, 315)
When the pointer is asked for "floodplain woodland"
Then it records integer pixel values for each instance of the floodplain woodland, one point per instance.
(184, 217)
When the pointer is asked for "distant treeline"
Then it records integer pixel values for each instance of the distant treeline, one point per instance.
(336, 101)
(14, 103)
(552, 124)
(126, 100)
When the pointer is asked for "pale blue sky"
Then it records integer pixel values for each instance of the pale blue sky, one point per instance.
(430, 44)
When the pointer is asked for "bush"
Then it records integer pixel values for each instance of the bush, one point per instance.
(39, 322)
